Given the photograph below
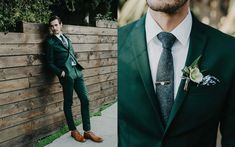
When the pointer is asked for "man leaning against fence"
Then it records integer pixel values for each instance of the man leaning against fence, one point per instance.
(62, 62)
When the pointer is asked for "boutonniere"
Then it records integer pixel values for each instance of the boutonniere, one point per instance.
(193, 73)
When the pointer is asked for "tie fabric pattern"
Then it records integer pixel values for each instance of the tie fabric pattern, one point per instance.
(63, 39)
(165, 76)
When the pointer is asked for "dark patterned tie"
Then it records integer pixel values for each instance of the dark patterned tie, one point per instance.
(65, 43)
(165, 75)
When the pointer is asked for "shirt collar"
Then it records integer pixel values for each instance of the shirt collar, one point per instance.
(58, 35)
(181, 32)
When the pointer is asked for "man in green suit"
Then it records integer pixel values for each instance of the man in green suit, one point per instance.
(62, 61)
(161, 105)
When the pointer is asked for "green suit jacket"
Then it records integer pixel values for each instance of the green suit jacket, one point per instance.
(196, 113)
(58, 55)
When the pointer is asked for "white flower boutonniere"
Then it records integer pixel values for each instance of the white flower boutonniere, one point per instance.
(193, 73)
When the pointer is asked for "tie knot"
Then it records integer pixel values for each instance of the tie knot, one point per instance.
(167, 40)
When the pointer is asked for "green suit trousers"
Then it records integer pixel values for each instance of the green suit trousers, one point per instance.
(77, 83)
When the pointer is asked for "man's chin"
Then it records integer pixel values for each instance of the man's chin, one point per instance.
(168, 8)
(56, 32)
(168, 11)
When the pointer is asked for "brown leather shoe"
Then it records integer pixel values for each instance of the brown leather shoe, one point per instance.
(77, 136)
(92, 136)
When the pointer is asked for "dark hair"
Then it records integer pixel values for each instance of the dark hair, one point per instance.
(54, 18)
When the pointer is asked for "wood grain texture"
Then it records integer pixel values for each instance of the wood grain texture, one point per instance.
(37, 102)
(21, 38)
(35, 48)
(12, 85)
(35, 28)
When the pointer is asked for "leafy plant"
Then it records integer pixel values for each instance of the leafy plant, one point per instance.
(23, 10)
(107, 16)
(39, 11)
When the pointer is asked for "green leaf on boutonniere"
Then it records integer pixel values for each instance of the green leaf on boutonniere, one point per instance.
(195, 62)
(203, 71)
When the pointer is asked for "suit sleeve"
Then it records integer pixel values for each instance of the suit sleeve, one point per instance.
(227, 125)
(50, 60)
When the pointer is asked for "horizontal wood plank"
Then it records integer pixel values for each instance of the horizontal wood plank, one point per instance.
(98, 62)
(30, 115)
(70, 29)
(30, 139)
(95, 55)
(37, 113)
(15, 38)
(36, 48)
(12, 85)
(23, 72)
(29, 127)
(15, 61)
(101, 70)
(36, 28)
(34, 103)
(20, 49)
(94, 47)
(92, 39)
(10, 97)
(100, 78)
(106, 24)
(93, 66)
(20, 95)
(45, 79)
(87, 73)
(21, 38)
(30, 104)
(28, 60)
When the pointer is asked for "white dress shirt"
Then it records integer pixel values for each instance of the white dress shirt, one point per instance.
(179, 49)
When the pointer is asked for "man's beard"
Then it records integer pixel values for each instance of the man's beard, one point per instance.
(171, 8)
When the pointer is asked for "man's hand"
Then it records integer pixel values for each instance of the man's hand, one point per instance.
(62, 74)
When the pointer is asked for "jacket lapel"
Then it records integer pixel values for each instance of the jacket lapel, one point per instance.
(197, 44)
(57, 41)
(139, 47)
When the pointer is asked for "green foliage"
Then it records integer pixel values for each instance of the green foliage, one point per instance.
(39, 11)
(77, 5)
(73, 5)
(23, 10)
(84, 11)
(107, 16)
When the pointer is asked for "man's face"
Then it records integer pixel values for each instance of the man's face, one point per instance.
(166, 6)
(55, 26)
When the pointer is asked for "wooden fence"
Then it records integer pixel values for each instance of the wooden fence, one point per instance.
(31, 100)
